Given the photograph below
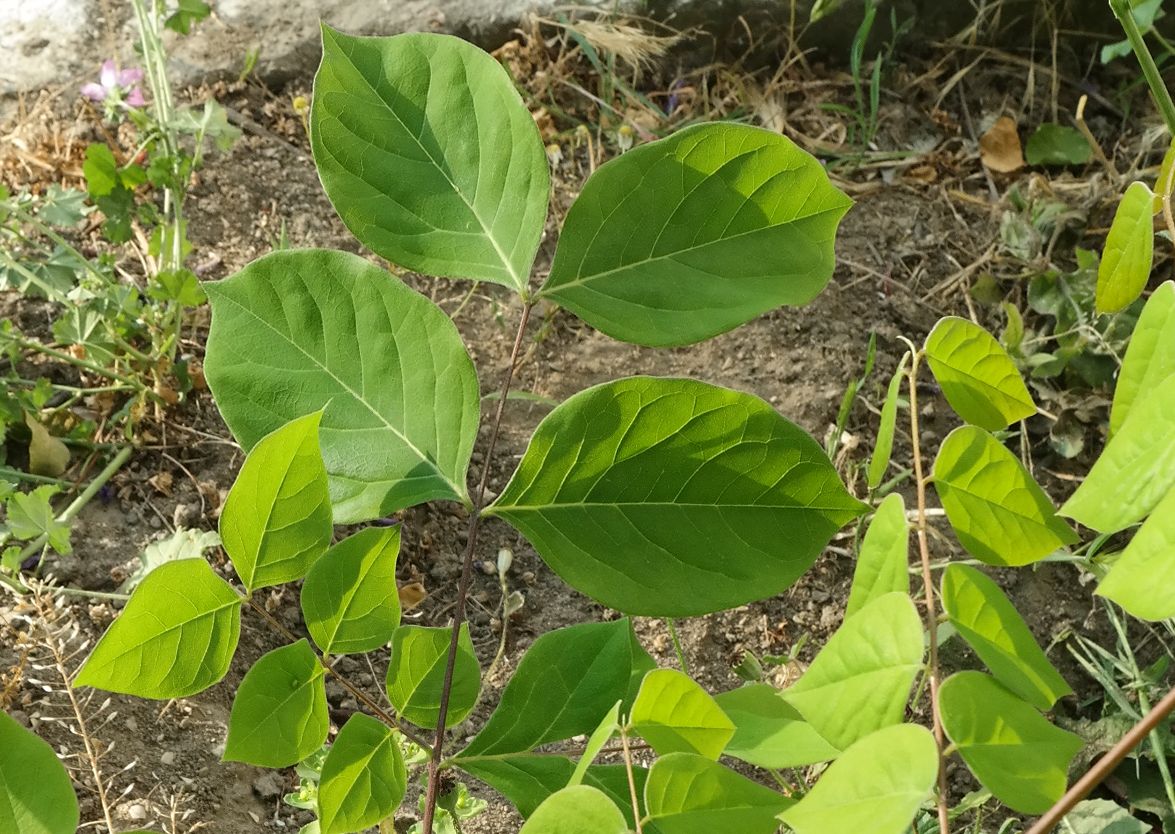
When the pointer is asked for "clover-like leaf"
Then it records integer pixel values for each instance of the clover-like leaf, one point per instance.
(429, 155)
(770, 732)
(36, 796)
(1126, 262)
(1150, 356)
(671, 497)
(363, 777)
(416, 675)
(690, 794)
(883, 563)
(176, 636)
(675, 715)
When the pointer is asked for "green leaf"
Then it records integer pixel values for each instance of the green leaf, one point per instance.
(566, 680)
(860, 681)
(526, 779)
(879, 463)
(883, 563)
(176, 636)
(600, 736)
(770, 732)
(363, 777)
(1130, 243)
(717, 499)
(1135, 471)
(429, 155)
(1142, 579)
(689, 794)
(187, 12)
(1101, 816)
(279, 714)
(416, 675)
(184, 543)
(1150, 356)
(675, 715)
(977, 376)
(877, 785)
(387, 365)
(1010, 747)
(1054, 144)
(36, 796)
(690, 236)
(277, 519)
(990, 624)
(350, 601)
(996, 509)
(576, 810)
(29, 515)
(100, 170)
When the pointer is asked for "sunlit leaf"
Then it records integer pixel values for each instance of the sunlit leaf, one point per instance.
(600, 736)
(1142, 580)
(36, 796)
(689, 794)
(1150, 356)
(883, 563)
(1130, 243)
(883, 449)
(675, 715)
(416, 675)
(576, 810)
(363, 778)
(770, 732)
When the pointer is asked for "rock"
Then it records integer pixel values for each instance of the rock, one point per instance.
(269, 785)
(168, 758)
(136, 813)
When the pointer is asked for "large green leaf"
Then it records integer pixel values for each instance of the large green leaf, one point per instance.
(770, 732)
(877, 785)
(416, 675)
(429, 155)
(977, 376)
(689, 794)
(176, 636)
(279, 714)
(690, 236)
(1150, 356)
(303, 330)
(1126, 261)
(883, 449)
(989, 622)
(36, 796)
(670, 497)
(1135, 471)
(363, 777)
(883, 563)
(579, 809)
(1010, 747)
(1142, 580)
(565, 683)
(860, 681)
(675, 715)
(349, 600)
(277, 519)
(995, 507)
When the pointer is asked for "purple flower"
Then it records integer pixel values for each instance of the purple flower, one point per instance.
(115, 87)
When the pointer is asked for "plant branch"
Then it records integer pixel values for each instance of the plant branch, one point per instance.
(434, 762)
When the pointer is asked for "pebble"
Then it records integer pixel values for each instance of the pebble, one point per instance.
(168, 758)
(269, 785)
(136, 813)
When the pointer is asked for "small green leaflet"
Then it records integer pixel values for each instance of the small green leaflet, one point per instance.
(1150, 356)
(36, 796)
(576, 810)
(1142, 580)
(977, 376)
(770, 732)
(29, 515)
(690, 794)
(1126, 262)
(883, 563)
(176, 636)
(996, 509)
(879, 463)
(675, 715)
(277, 519)
(416, 675)
(1054, 144)
(363, 777)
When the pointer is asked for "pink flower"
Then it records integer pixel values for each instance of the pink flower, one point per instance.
(116, 86)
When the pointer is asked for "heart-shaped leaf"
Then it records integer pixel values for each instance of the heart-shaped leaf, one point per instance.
(1130, 243)
(36, 796)
(883, 563)
(675, 715)
(690, 794)
(363, 777)
(1150, 356)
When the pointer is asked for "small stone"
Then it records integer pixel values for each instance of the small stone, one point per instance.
(168, 758)
(489, 568)
(136, 813)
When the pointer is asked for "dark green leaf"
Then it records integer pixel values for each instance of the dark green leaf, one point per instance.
(1054, 144)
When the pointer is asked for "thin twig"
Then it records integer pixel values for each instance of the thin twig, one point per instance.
(636, 808)
(434, 763)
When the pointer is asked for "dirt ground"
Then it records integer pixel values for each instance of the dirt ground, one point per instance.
(925, 226)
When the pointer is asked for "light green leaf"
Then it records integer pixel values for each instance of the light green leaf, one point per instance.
(1150, 356)
(578, 809)
(277, 518)
(770, 732)
(675, 715)
(1010, 747)
(690, 236)
(302, 330)
(416, 675)
(279, 714)
(176, 636)
(1054, 144)
(977, 376)
(1101, 816)
(860, 681)
(990, 624)
(350, 601)
(689, 794)
(715, 498)
(883, 450)
(883, 563)
(1142, 580)
(526, 779)
(29, 515)
(600, 736)
(363, 777)
(429, 155)
(996, 509)
(36, 796)
(877, 785)
(566, 680)
(1130, 244)
(1135, 471)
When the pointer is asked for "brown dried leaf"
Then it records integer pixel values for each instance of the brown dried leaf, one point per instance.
(411, 595)
(999, 148)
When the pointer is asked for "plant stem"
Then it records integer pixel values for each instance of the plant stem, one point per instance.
(636, 808)
(1105, 765)
(1150, 70)
(672, 626)
(430, 801)
(931, 616)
